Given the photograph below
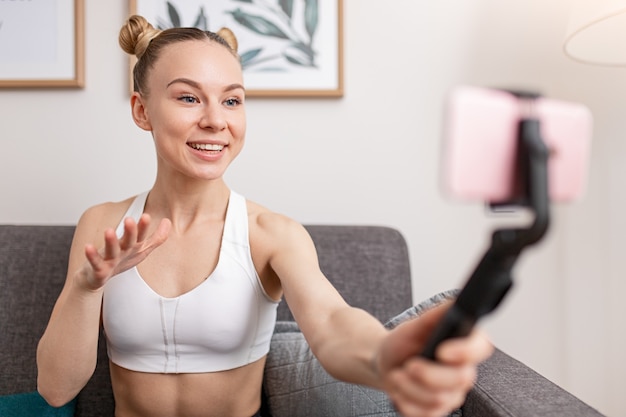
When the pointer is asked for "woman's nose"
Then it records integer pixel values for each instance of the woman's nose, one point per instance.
(213, 118)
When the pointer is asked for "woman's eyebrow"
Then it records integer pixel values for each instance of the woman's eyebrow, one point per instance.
(234, 86)
(196, 85)
(192, 83)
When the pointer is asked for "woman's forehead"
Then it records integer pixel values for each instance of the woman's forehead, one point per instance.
(200, 49)
(199, 60)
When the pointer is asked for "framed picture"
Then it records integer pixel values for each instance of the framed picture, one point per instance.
(41, 43)
(288, 48)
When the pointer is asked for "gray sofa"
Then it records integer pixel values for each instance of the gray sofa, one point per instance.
(369, 266)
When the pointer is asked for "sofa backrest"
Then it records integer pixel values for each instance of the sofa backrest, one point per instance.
(368, 265)
(33, 264)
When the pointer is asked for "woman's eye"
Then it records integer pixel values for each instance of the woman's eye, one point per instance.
(188, 99)
(232, 102)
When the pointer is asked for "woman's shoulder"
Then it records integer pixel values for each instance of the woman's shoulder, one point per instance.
(105, 215)
(272, 225)
(262, 216)
(96, 219)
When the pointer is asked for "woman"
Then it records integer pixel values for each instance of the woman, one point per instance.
(188, 275)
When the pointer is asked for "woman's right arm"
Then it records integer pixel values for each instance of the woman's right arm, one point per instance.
(67, 351)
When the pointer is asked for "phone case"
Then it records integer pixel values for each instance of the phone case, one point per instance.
(480, 144)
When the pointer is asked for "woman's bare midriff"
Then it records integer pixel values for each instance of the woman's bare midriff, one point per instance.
(232, 393)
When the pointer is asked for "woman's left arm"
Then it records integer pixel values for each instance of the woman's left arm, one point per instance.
(343, 338)
(353, 346)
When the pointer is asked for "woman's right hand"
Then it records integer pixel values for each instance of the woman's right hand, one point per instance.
(119, 255)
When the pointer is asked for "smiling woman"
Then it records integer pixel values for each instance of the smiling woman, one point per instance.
(186, 277)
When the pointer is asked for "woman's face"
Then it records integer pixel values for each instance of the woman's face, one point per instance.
(194, 109)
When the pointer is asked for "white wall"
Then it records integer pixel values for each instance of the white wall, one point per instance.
(372, 158)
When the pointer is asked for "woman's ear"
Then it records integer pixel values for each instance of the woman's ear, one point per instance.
(139, 112)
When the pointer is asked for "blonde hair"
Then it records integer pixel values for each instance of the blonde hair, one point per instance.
(139, 38)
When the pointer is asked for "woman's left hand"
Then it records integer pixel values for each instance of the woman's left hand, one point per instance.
(420, 387)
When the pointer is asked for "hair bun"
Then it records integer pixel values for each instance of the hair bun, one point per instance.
(229, 37)
(136, 34)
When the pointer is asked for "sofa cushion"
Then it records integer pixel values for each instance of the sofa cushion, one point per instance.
(295, 384)
(32, 404)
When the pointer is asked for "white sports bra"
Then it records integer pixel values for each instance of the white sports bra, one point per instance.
(225, 322)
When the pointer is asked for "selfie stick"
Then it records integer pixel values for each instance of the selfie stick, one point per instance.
(491, 279)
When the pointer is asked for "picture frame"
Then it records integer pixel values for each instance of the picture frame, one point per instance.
(288, 48)
(42, 44)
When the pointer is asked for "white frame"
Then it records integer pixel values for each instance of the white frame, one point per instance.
(323, 79)
(56, 28)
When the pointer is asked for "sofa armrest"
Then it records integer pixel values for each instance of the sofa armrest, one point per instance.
(507, 388)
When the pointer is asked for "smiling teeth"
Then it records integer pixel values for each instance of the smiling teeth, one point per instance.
(207, 146)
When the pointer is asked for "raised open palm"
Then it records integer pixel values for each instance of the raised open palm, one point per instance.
(119, 255)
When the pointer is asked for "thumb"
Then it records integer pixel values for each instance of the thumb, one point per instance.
(409, 338)
(423, 326)
(162, 232)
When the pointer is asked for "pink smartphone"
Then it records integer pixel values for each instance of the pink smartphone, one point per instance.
(480, 144)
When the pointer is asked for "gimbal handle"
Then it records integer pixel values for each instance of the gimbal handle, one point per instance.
(491, 279)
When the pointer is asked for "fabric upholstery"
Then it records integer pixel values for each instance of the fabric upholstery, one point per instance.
(295, 384)
(33, 262)
(33, 266)
(522, 392)
(32, 404)
(369, 265)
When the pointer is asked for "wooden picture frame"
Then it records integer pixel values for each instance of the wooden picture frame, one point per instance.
(288, 48)
(42, 44)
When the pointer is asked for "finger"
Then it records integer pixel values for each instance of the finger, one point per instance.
(97, 263)
(92, 255)
(411, 398)
(111, 244)
(143, 226)
(412, 409)
(406, 395)
(408, 338)
(444, 404)
(425, 323)
(435, 376)
(474, 349)
(130, 234)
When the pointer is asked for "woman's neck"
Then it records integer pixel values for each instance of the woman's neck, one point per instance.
(187, 204)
